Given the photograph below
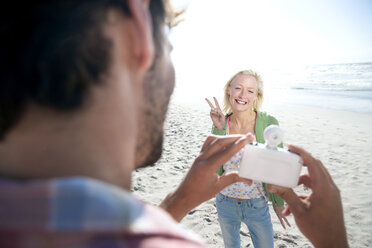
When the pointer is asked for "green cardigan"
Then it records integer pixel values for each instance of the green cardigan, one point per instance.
(263, 120)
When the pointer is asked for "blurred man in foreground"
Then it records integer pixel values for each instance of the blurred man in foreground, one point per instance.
(84, 91)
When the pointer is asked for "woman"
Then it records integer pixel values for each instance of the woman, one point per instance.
(241, 202)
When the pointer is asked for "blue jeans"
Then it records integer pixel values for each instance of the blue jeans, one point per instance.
(254, 213)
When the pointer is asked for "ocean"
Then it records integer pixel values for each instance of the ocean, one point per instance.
(335, 86)
(332, 86)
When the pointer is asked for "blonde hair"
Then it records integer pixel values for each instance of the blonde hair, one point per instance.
(227, 108)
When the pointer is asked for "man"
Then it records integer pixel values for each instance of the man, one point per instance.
(83, 96)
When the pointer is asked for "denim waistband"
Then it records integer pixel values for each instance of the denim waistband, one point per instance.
(248, 201)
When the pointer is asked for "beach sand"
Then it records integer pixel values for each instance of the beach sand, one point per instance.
(341, 140)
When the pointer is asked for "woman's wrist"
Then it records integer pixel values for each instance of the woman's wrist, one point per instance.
(218, 131)
(219, 127)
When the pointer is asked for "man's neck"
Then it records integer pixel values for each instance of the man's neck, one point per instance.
(91, 141)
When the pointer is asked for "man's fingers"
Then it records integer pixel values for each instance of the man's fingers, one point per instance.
(286, 211)
(250, 138)
(220, 155)
(295, 205)
(212, 146)
(320, 177)
(222, 143)
(209, 102)
(318, 174)
(227, 179)
(207, 142)
(231, 178)
(245, 180)
(305, 180)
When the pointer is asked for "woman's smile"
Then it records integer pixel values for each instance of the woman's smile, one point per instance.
(241, 102)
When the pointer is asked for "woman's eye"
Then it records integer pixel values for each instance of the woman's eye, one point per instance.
(237, 88)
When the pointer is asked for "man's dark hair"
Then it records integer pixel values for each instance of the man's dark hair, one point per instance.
(52, 51)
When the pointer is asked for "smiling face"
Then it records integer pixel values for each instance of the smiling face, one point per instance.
(243, 93)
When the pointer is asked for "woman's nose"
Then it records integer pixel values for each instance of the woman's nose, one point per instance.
(242, 93)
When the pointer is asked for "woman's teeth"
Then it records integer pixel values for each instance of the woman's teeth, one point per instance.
(240, 102)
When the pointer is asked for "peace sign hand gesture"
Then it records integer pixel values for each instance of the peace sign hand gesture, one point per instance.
(216, 114)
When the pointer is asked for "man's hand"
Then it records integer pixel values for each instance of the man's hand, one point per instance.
(319, 216)
(202, 182)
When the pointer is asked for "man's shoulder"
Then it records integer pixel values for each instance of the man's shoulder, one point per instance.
(88, 207)
(21, 239)
(160, 240)
(66, 204)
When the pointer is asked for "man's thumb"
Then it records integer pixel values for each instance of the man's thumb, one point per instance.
(228, 179)
(296, 206)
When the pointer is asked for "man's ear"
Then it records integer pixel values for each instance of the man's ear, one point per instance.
(144, 47)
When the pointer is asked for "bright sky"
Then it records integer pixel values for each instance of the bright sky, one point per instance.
(220, 37)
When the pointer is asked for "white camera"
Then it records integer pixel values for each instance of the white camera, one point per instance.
(269, 164)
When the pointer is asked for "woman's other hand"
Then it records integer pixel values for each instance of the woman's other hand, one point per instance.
(279, 212)
(216, 114)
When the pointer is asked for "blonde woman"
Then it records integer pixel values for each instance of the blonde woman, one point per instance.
(241, 202)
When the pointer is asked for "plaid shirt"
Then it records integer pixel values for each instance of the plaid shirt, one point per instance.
(82, 212)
